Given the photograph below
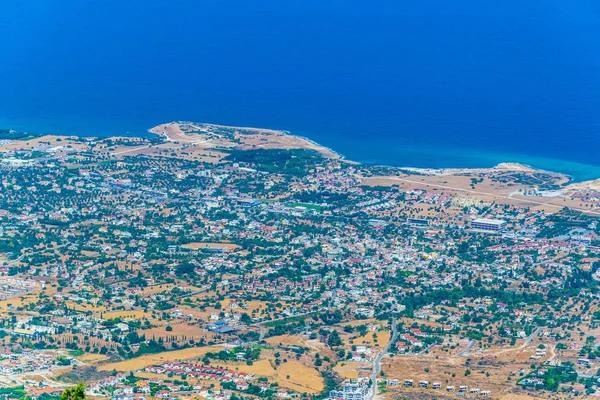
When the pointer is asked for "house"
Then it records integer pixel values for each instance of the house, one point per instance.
(26, 333)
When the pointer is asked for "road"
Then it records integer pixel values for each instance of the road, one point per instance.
(466, 351)
(118, 153)
(16, 260)
(377, 363)
(193, 293)
(426, 350)
(263, 330)
(530, 338)
(526, 343)
(184, 140)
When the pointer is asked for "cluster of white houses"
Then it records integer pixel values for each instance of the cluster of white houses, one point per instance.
(438, 386)
(353, 390)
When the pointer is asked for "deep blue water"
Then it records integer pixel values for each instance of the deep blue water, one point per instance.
(428, 83)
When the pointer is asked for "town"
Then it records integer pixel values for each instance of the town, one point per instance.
(226, 263)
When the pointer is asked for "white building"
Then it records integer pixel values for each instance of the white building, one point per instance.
(488, 225)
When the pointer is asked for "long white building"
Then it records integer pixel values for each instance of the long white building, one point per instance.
(488, 225)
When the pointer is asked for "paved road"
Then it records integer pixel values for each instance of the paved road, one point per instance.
(118, 153)
(263, 330)
(193, 293)
(16, 260)
(466, 351)
(30, 253)
(377, 363)
(426, 350)
(526, 343)
(157, 146)
(530, 338)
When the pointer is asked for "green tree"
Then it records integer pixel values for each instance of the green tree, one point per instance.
(334, 339)
(74, 393)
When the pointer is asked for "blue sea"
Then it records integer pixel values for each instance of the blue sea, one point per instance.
(427, 83)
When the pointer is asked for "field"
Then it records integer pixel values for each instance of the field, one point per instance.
(292, 374)
(373, 339)
(154, 289)
(23, 300)
(347, 371)
(151, 359)
(84, 307)
(92, 358)
(286, 341)
(131, 314)
(179, 329)
(298, 377)
(495, 368)
(250, 307)
(199, 245)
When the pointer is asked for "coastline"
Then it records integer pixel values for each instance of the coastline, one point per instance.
(571, 179)
(340, 155)
(514, 166)
(507, 165)
(424, 170)
(447, 171)
(501, 164)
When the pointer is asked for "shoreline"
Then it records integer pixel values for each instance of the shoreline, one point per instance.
(340, 155)
(502, 165)
(443, 171)
(424, 170)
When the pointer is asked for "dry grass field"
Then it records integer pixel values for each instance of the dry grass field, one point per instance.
(151, 290)
(359, 322)
(199, 245)
(126, 315)
(286, 340)
(348, 370)
(179, 329)
(495, 369)
(373, 339)
(293, 374)
(92, 358)
(84, 307)
(298, 377)
(151, 359)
